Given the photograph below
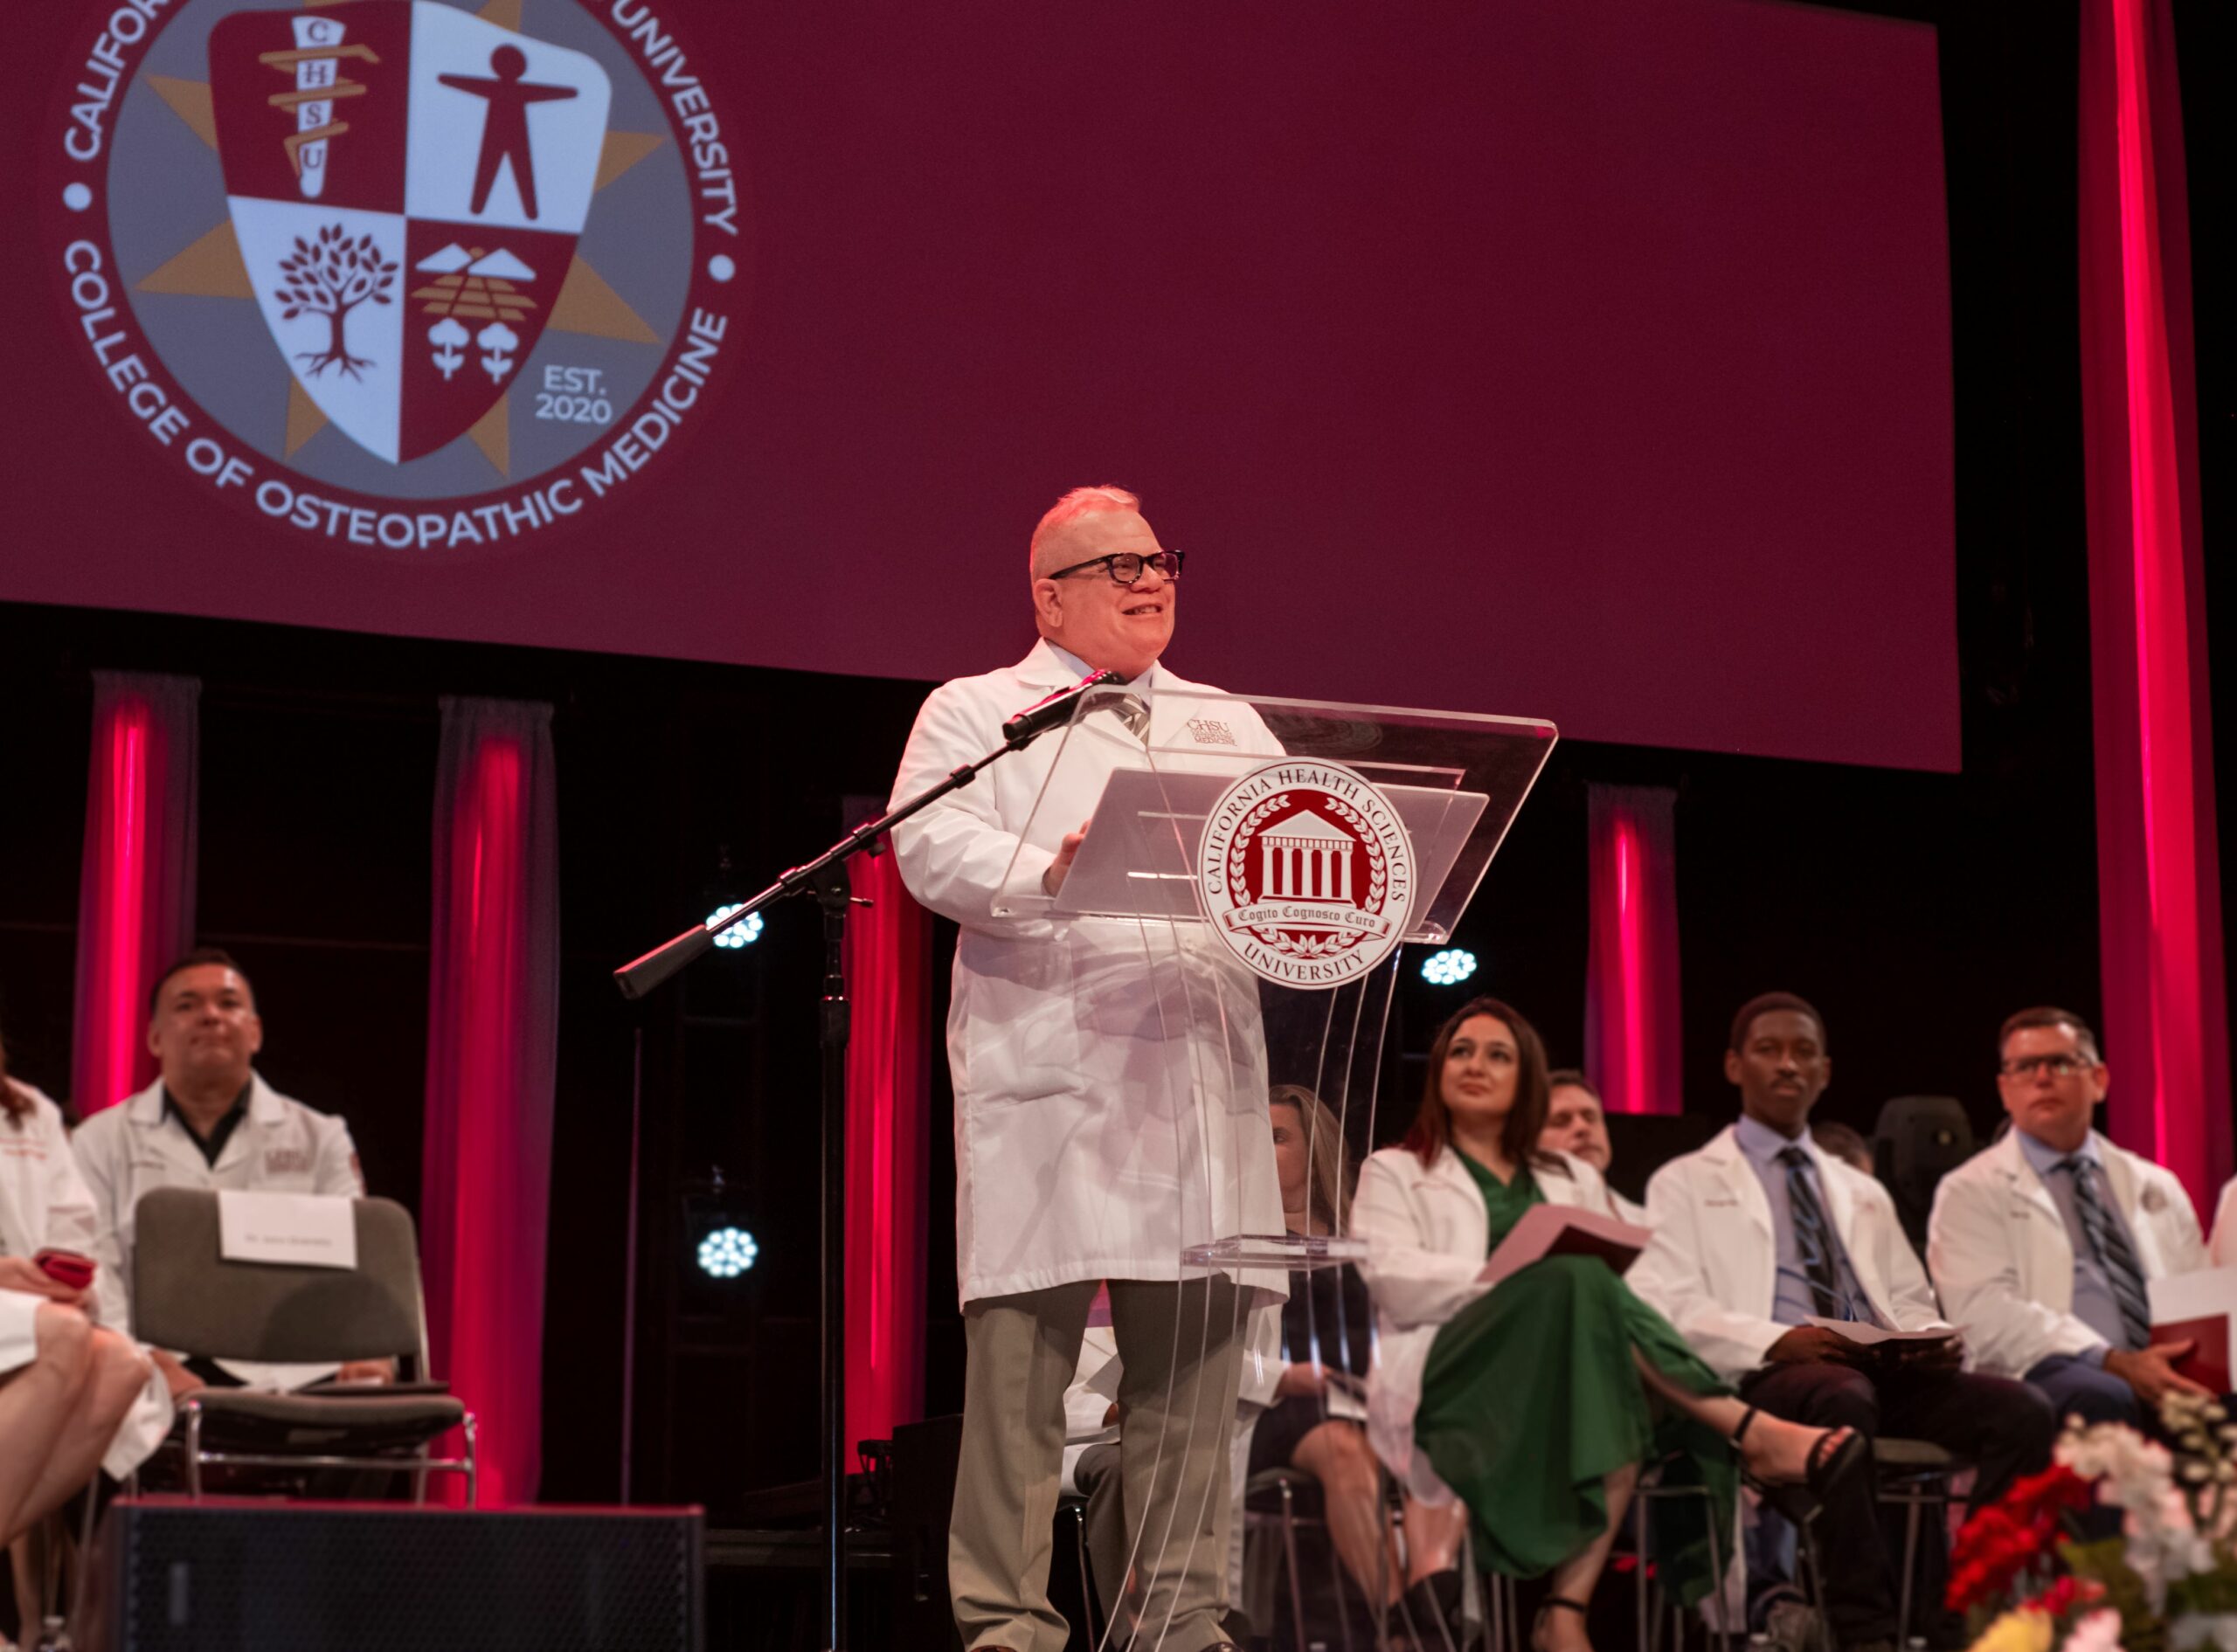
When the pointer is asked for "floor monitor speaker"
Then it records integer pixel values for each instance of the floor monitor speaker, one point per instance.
(172, 1576)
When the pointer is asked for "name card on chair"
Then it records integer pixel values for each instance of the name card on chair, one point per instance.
(306, 1230)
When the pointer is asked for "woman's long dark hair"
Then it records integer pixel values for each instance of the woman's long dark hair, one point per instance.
(1432, 1128)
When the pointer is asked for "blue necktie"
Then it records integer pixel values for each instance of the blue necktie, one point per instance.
(2110, 1246)
(1814, 1237)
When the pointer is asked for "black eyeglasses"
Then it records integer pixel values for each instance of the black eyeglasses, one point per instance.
(2058, 1065)
(1126, 568)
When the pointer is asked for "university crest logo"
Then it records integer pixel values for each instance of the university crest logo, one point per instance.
(420, 274)
(404, 226)
(1307, 873)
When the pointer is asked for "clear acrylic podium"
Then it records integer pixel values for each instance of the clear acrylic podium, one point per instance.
(1232, 922)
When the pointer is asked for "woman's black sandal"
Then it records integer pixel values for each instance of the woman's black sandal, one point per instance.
(1835, 1456)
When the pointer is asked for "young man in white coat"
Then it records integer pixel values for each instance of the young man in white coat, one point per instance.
(1108, 1112)
(208, 1120)
(1760, 1232)
(2045, 1244)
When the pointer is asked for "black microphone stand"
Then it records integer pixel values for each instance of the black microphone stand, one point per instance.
(825, 878)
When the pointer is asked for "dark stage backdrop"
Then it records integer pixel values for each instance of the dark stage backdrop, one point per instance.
(1579, 358)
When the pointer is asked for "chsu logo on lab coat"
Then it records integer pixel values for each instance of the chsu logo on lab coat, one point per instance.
(1307, 873)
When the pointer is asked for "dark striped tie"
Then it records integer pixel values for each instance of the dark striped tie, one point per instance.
(1814, 1237)
(2111, 1246)
(1129, 709)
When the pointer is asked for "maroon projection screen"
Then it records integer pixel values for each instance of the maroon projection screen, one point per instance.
(1585, 359)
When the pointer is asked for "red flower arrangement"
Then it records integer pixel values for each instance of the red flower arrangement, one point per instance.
(2021, 1528)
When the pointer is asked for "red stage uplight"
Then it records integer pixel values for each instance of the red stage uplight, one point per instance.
(136, 901)
(492, 1045)
(2158, 887)
(1631, 1012)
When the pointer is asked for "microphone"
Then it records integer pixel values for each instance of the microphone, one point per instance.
(1045, 714)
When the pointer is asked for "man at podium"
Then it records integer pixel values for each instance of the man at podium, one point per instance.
(1109, 1103)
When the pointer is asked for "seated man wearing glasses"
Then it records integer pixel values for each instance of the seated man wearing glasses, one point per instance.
(2043, 1245)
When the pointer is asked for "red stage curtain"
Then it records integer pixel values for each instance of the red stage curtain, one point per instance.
(493, 1020)
(1630, 992)
(135, 890)
(2158, 886)
(889, 1080)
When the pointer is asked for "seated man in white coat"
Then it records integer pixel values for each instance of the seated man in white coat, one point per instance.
(210, 1121)
(1761, 1232)
(2043, 1245)
(1104, 1119)
(1576, 1123)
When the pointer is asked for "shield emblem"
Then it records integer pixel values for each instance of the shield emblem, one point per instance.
(407, 182)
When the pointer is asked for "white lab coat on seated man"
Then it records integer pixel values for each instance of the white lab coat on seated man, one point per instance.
(2221, 1249)
(1427, 1234)
(1110, 1076)
(44, 1205)
(1998, 1249)
(1713, 1267)
(280, 1147)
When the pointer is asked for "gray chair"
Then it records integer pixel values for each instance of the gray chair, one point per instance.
(187, 1298)
(1914, 1476)
(1650, 1600)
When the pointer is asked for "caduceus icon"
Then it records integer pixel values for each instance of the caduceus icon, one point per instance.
(319, 87)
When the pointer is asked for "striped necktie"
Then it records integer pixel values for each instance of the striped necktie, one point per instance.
(1127, 708)
(2111, 1248)
(1814, 1236)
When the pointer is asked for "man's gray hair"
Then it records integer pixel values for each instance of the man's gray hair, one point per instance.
(1079, 502)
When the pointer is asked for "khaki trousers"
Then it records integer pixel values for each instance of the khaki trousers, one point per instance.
(1178, 1349)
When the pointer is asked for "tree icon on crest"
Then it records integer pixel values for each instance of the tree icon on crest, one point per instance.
(330, 276)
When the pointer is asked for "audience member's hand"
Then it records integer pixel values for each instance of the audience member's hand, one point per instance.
(367, 1370)
(2151, 1371)
(1812, 1345)
(21, 1273)
(176, 1378)
(1301, 1380)
(1053, 879)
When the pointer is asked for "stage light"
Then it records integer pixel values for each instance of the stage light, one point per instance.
(739, 934)
(727, 1251)
(1448, 968)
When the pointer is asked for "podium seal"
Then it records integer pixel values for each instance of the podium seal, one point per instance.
(1307, 873)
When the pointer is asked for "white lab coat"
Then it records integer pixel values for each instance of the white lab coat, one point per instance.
(281, 1147)
(44, 1205)
(2221, 1250)
(1713, 1267)
(1998, 1249)
(1624, 1211)
(1428, 1236)
(1110, 1075)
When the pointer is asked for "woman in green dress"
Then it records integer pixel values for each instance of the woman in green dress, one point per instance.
(1535, 1403)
